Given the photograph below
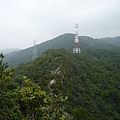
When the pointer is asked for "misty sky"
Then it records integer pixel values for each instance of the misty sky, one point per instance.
(22, 21)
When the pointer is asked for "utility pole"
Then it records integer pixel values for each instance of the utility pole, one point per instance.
(35, 53)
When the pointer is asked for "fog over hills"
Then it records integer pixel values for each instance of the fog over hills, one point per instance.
(9, 50)
(112, 40)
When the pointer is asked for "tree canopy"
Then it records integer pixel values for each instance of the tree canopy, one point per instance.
(26, 101)
(89, 79)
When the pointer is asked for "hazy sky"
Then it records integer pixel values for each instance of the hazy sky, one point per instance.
(22, 21)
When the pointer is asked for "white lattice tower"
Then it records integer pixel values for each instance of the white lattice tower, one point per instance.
(35, 53)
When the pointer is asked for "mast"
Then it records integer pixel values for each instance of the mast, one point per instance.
(35, 54)
(76, 48)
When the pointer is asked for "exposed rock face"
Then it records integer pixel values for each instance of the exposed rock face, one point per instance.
(56, 71)
(53, 81)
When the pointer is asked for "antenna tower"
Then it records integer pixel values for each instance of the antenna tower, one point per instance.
(35, 53)
(76, 48)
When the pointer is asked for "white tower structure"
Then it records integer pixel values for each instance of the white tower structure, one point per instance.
(76, 48)
(35, 53)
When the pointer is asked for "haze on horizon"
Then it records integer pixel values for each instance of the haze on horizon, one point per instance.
(22, 21)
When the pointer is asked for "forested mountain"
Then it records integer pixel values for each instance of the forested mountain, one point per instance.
(114, 41)
(65, 41)
(26, 100)
(61, 85)
(91, 79)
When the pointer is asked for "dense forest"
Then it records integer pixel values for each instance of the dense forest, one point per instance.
(60, 85)
(26, 100)
(90, 80)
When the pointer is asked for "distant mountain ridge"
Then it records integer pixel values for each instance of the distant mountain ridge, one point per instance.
(65, 41)
(112, 40)
(8, 51)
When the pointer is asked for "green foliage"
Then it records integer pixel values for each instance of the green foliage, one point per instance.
(27, 101)
(89, 79)
(8, 107)
(32, 100)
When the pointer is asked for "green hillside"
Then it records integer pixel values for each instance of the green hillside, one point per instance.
(65, 41)
(114, 41)
(91, 79)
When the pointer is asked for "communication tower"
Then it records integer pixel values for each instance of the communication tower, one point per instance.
(35, 53)
(76, 48)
